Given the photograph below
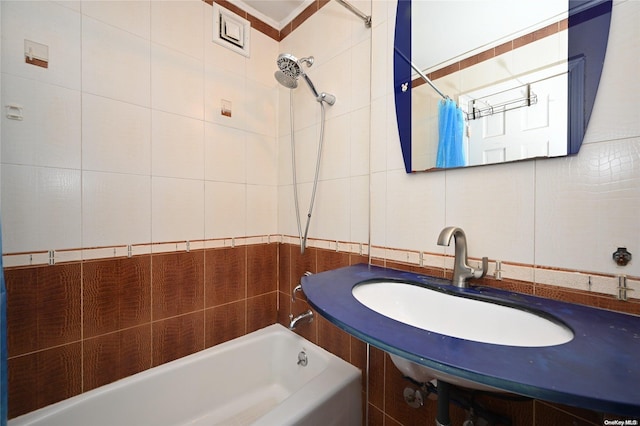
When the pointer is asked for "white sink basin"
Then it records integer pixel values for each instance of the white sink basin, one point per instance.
(460, 317)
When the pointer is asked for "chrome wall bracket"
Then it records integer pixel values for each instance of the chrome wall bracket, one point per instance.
(622, 287)
(366, 18)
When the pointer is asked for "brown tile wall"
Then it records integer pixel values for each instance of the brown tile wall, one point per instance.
(76, 326)
(73, 327)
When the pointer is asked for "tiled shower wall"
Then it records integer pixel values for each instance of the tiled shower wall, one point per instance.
(91, 167)
(75, 326)
(123, 145)
(79, 325)
(122, 139)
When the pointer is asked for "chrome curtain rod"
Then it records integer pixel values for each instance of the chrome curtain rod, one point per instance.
(421, 74)
(365, 18)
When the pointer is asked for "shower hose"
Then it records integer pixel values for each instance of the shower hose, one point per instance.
(303, 237)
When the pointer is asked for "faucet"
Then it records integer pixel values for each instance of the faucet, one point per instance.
(295, 320)
(461, 269)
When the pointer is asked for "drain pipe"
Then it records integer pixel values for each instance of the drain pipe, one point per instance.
(442, 417)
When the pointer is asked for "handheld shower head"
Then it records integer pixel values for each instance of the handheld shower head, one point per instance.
(289, 65)
(290, 69)
(285, 80)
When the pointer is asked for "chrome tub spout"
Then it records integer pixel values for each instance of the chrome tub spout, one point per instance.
(306, 316)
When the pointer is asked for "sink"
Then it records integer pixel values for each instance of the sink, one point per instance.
(460, 316)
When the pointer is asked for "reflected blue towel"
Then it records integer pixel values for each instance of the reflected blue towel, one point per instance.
(450, 131)
(3, 343)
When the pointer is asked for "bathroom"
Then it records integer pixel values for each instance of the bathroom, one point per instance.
(166, 159)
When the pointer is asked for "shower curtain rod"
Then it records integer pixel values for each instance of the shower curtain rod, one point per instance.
(365, 18)
(421, 74)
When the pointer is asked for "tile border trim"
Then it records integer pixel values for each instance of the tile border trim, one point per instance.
(591, 282)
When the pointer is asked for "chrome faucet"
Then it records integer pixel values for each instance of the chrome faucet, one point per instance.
(461, 269)
(308, 314)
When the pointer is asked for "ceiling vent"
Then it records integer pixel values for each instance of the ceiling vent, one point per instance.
(231, 31)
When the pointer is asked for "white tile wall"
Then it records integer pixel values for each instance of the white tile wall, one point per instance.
(224, 154)
(116, 136)
(306, 152)
(229, 86)
(262, 63)
(360, 134)
(116, 209)
(336, 148)
(179, 25)
(176, 82)
(359, 209)
(262, 158)
(597, 190)
(115, 63)
(287, 224)
(47, 23)
(260, 108)
(262, 210)
(331, 216)
(140, 87)
(411, 221)
(177, 209)
(49, 133)
(131, 16)
(115, 147)
(177, 149)
(225, 209)
(497, 214)
(41, 208)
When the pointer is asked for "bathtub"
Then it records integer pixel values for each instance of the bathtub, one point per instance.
(256, 379)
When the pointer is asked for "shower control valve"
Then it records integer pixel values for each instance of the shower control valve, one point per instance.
(622, 256)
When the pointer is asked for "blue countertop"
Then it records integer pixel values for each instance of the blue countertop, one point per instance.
(599, 369)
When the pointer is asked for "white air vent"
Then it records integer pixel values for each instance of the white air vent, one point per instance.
(230, 30)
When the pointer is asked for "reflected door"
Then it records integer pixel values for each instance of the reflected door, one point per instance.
(533, 131)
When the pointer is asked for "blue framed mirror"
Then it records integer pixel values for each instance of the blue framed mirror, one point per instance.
(522, 76)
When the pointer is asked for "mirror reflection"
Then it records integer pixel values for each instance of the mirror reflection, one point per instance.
(491, 81)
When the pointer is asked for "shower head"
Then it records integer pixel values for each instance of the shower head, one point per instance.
(285, 80)
(291, 66)
(290, 69)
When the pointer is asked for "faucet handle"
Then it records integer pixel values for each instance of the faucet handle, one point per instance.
(479, 273)
(295, 290)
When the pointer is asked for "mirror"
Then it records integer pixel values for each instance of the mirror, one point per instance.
(522, 76)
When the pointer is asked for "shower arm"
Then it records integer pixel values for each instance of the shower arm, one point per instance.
(353, 9)
(311, 86)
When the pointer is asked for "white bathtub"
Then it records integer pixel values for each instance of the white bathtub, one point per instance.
(251, 380)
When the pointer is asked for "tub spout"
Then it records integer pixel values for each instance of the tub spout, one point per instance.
(307, 316)
(461, 269)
